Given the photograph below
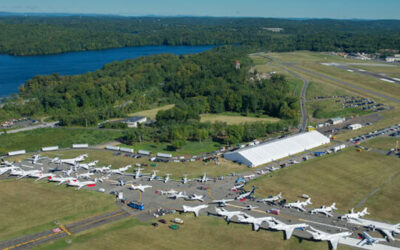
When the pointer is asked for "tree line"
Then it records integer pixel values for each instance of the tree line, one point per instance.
(49, 35)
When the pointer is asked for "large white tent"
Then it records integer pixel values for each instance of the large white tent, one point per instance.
(254, 156)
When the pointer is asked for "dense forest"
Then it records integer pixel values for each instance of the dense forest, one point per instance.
(203, 83)
(49, 35)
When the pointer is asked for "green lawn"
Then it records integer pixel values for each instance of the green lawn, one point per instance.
(345, 178)
(383, 143)
(190, 148)
(30, 207)
(197, 233)
(36, 139)
(236, 118)
(330, 108)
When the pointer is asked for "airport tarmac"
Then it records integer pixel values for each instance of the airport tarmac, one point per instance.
(216, 189)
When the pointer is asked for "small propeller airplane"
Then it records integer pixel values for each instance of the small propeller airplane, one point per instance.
(153, 176)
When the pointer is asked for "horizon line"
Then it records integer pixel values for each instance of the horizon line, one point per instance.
(8, 13)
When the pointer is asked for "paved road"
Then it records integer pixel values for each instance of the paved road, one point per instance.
(44, 125)
(371, 92)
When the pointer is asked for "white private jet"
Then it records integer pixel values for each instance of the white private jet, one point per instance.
(278, 225)
(246, 195)
(6, 169)
(238, 186)
(185, 179)
(68, 172)
(271, 199)
(168, 192)
(166, 179)
(250, 207)
(120, 171)
(35, 159)
(228, 215)
(251, 176)
(388, 230)
(195, 197)
(102, 169)
(333, 239)
(299, 205)
(203, 179)
(178, 195)
(61, 180)
(325, 210)
(256, 222)
(195, 210)
(222, 203)
(138, 173)
(84, 175)
(88, 165)
(72, 161)
(140, 187)
(354, 215)
(153, 176)
(81, 184)
(40, 175)
(369, 240)
(22, 173)
(7, 163)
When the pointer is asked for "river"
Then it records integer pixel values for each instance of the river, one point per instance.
(16, 70)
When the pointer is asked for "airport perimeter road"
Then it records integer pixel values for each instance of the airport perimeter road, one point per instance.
(30, 241)
(371, 92)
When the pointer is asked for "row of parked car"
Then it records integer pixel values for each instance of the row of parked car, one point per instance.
(392, 130)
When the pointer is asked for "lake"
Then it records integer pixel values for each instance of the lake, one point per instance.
(16, 70)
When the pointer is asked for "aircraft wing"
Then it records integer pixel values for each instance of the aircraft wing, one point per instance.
(334, 243)
(387, 233)
(301, 208)
(256, 226)
(362, 242)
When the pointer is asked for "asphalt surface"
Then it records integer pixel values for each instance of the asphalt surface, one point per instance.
(379, 76)
(216, 189)
(347, 84)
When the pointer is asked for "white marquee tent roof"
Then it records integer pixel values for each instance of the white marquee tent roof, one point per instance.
(270, 151)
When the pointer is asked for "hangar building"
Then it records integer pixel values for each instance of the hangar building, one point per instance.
(263, 153)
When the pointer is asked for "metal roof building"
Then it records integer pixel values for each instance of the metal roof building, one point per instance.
(270, 151)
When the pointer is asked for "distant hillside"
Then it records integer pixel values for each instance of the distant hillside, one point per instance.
(37, 35)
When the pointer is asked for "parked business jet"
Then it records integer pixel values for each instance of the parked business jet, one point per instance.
(333, 239)
(195, 210)
(222, 203)
(246, 195)
(227, 214)
(354, 215)
(299, 205)
(369, 240)
(140, 187)
(271, 199)
(278, 225)
(256, 222)
(325, 210)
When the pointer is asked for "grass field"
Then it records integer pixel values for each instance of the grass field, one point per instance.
(345, 178)
(233, 118)
(193, 169)
(383, 143)
(151, 113)
(197, 233)
(36, 139)
(330, 108)
(29, 207)
(190, 148)
(318, 89)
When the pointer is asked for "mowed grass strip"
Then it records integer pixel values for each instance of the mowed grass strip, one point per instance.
(151, 113)
(63, 137)
(30, 207)
(235, 119)
(197, 233)
(190, 147)
(192, 169)
(345, 178)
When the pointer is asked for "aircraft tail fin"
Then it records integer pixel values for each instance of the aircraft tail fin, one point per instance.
(288, 233)
(334, 243)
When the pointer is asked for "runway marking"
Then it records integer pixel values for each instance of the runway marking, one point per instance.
(65, 229)
(323, 224)
(92, 222)
(387, 80)
(140, 196)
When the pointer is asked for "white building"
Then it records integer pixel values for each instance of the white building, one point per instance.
(271, 151)
(337, 120)
(134, 121)
(355, 126)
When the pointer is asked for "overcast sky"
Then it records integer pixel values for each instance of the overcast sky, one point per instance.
(366, 9)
